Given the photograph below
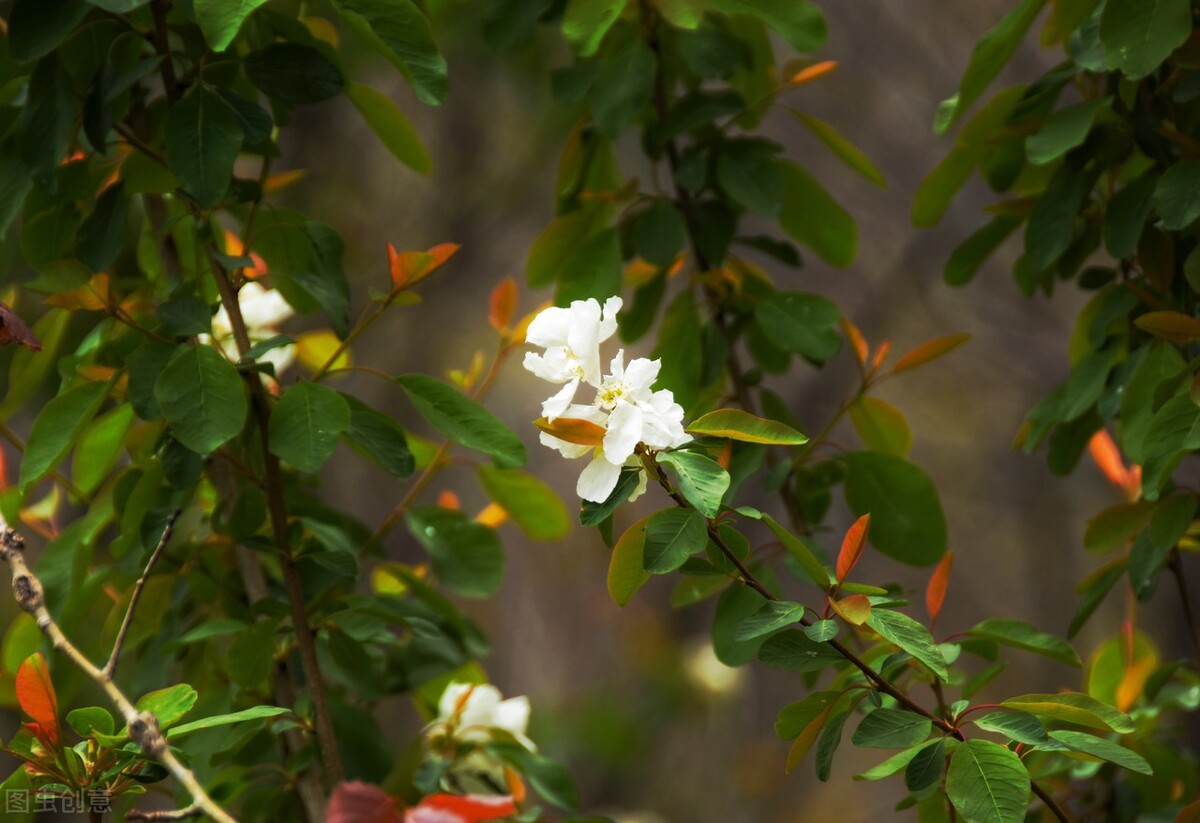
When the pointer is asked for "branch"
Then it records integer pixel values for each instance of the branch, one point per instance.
(143, 726)
(193, 810)
(277, 507)
(1051, 804)
(110, 668)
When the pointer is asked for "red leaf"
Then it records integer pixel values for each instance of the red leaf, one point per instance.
(852, 546)
(408, 267)
(449, 808)
(935, 592)
(503, 305)
(930, 350)
(810, 73)
(361, 803)
(857, 342)
(35, 694)
(14, 330)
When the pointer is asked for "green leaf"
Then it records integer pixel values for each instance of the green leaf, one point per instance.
(14, 184)
(806, 324)
(834, 237)
(909, 635)
(926, 767)
(202, 397)
(894, 763)
(306, 424)
(399, 31)
(1051, 225)
(842, 148)
(658, 232)
(799, 22)
(379, 437)
(702, 481)
(463, 420)
(585, 22)
(391, 127)
(43, 132)
(1138, 35)
(467, 556)
(38, 27)
(626, 568)
(987, 783)
(827, 744)
(101, 235)
(203, 141)
(822, 630)
(1021, 635)
(989, 56)
(672, 536)
(85, 721)
(1063, 131)
(907, 522)
(1022, 728)
(531, 503)
(887, 728)
(293, 74)
(57, 427)
(1169, 522)
(99, 446)
(882, 427)
(623, 88)
(1073, 707)
(169, 705)
(800, 552)
(747, 172)
(220, 20)
(795, 717)
(735, 424)
(1177, 195)
(966, 260)
(1103, 749)
(255, 713)
(771, 616)
(550, 779)
(792, 651)
(1127, 213)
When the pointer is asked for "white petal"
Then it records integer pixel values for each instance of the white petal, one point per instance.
(262, 308)
(480, 708)
(641, 374)
(550, 328)
(281, 358)
(598, 480)
(556, 405)
(567, 450)
(616, 369)
(608, 323)
(624, 433)
(512, 715)
(448, 703)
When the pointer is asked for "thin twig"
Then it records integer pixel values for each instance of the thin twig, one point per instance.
(1051, 804)
(277, 508)
(1175, 564)
(110, 668)
(143, 726)
(185, 813)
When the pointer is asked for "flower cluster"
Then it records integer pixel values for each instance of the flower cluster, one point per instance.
(625, 405)
(263, 310)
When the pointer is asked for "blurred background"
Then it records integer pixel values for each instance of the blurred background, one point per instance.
(653, 728)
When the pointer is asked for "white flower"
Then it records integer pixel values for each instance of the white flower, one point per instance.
(472, 713)
(571, 338)
(262, 310)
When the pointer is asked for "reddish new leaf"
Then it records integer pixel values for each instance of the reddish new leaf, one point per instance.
(935, 592)
(14, 330)
(573, 430)
(852, 546)
(854, 609)
(810, 73)
(35, 694)
(857, 342)
(929, 350)
(503, 305)
(472, 808)
(357, 802)
(1170, 325)
(408, 267)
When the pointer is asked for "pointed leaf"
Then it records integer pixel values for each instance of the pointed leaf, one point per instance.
(736, 424)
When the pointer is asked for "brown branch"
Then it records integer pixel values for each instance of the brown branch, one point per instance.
(1051, 804)
(110, 668)
(143, 726)
(277, 508)
(176, 814)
